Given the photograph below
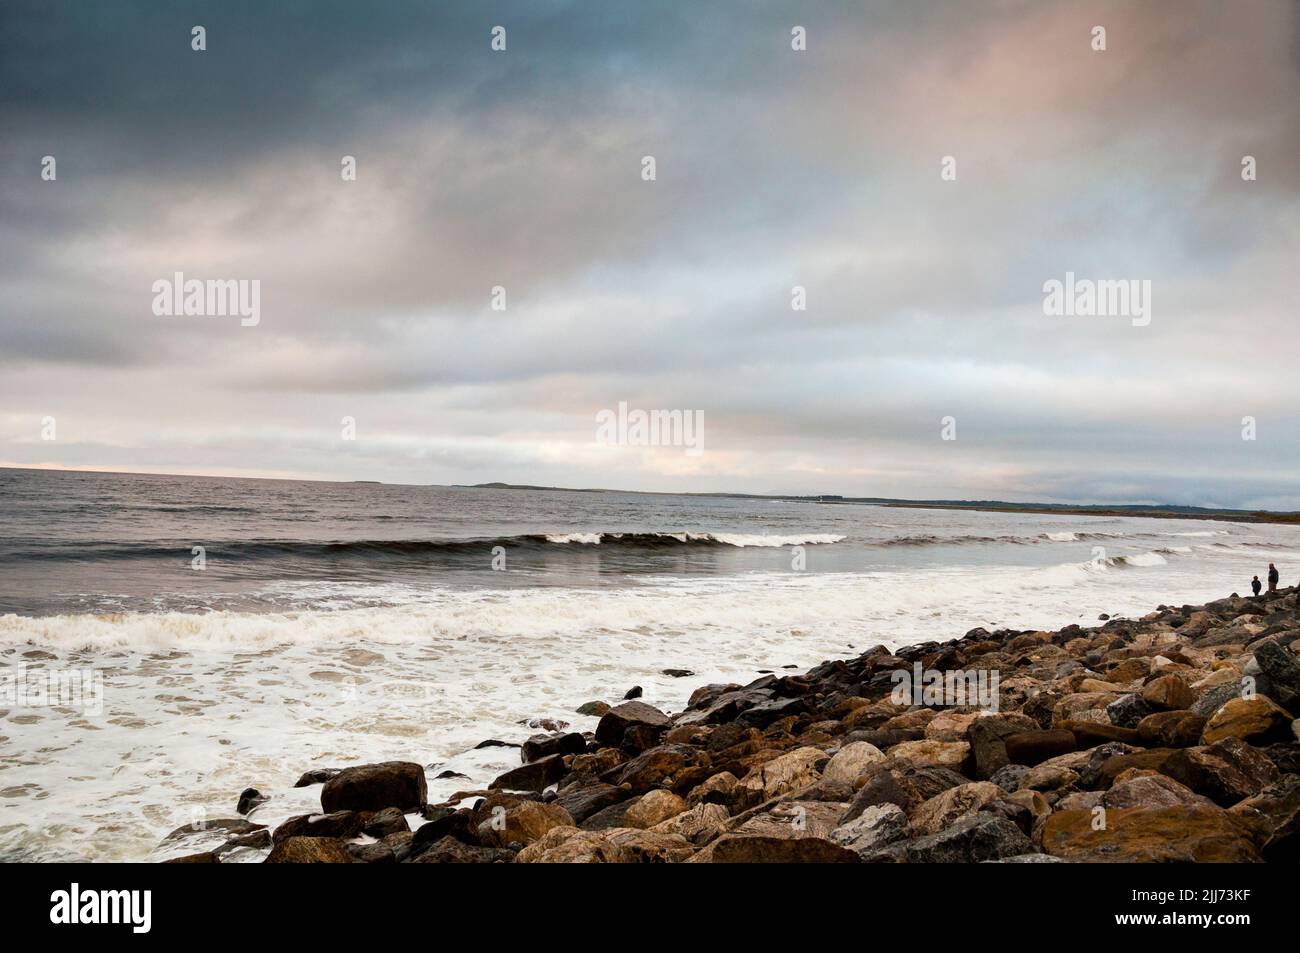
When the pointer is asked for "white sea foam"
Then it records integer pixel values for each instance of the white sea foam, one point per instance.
(727, 539)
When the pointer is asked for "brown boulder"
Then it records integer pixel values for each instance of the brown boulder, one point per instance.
(1257, 719)
(309, 850)
(620, 718)
(1171, 729)
(373, 787)
(1035, 747)
(1180, 834)
(1226, 772)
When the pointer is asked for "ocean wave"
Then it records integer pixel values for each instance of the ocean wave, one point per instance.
(259, 549)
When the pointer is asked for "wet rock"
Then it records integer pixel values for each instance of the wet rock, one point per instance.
(677, 767)
(534, 776)
(796, 769)
(1215, 698)
(1151, 791)
(641, 846)
(678, 672)
(316, 776)
(249, 799)
(450, 850)
(373, 787)
(1283, 671)
(1168, 693)
(206, 857)
(620, 718)
(542, 746)
(337, 824)
(390, 820)
(585, 796)
(1272, 819)
(757, 849)
(1127, 710)
(309, 850)
(377, 853)
(593, 709)
(633, 692)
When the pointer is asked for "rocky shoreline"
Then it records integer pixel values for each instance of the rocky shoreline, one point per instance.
(1168, 738)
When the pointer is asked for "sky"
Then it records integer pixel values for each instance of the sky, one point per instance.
(522, 169)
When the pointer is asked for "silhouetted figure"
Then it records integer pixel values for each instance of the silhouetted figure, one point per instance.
(1255, 584)
(1272, 578)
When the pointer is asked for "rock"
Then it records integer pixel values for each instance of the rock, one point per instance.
(1215, 698)
(568, 845)
(449, 850)
(1226, 772)
(875, 828)
(789, 818)
(942, 810)
(1168, 693)
(495, 743)
(206, 857)
(249, 799)
(970, 840)
(851, 760)
(316, 776)
(607, 818)
(1283, 671)
(373, 787)
(534, 776)
(1127, 710)
(1171, 729)
(950, 726)
(390, 820)
(338, 824)
(653, 807)
(1257, 720)
(542, 746)
(947, 754)
(678, 672)
(585, 796)
(1178, 834)
(522, 823)
(650, 847)
(377, 853)
(1008, 778)
(1151, 791)
(698, 824)
(672, 766)
(1089, 734)
(756, 849)
(1034, 747)
(717, 789)
(620, 718)
(633, 692)
(309, 850)
(780, 775)
(1272, 819)
(593, 709)
(460, 824)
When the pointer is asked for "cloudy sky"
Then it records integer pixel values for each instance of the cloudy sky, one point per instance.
(774, 168)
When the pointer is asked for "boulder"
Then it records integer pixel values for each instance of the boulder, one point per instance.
(944, 809)
(249, 799)
(338, 824)
(521, 823)
(390, 820)
(1272, 819)
(1168, 693)
(629, 714)
(672, 766)
(757, 849)
(794, 770)
(1179, 834)
(947, 754)
(1150, 791)
(534, 776)
(641, 846)
(873, 829)
(1226, 772)
(541, 746)
(309, 850)
(851, 760)
(450, 850)
(569, 845)
(1257, 719)
(883, 785)
(653, 807)
(971, 839)
(697, 824)
(1171, 729)
(373, 787)
(585, 796)
(1034, 747)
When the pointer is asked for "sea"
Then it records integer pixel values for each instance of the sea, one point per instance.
(169, 641)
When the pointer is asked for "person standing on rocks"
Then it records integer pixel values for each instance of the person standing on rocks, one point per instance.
(1255, 585)
(1272, 578)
